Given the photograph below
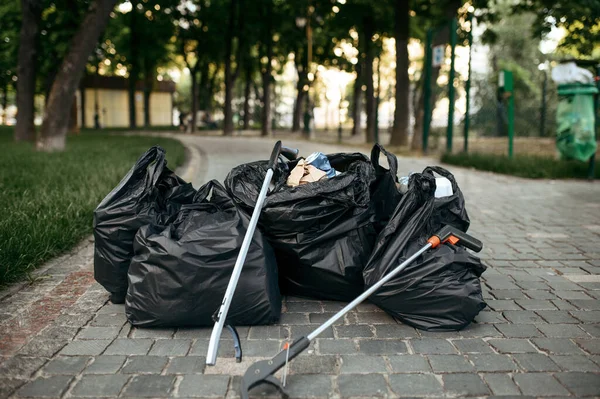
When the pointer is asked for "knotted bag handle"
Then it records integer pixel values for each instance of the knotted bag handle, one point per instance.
(444, 173)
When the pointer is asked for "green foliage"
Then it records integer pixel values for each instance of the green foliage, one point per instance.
(47, 199)
(9, 41)
(535, 167)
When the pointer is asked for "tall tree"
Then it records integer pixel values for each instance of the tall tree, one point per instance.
(56, 115)
(9, 48)
(31, 13)
(402, 35)
(266, 56)
(235, 30)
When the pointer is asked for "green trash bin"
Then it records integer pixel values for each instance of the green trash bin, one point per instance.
(575, 134)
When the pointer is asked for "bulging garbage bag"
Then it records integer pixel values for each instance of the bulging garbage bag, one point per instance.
(440, 290)
(385, 193)
(322, 232)
(180, 271)
(150, 191)
(449, 210)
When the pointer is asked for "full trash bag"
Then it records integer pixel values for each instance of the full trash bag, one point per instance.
(385, 193)
(150, 191)
(440, 290)
(449, 210)
(322, 232)
(575, 126)
(180, 271)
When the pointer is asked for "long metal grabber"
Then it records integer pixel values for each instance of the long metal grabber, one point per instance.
(264, 371)
(221, 315)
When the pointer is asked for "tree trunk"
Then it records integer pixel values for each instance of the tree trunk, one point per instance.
(229, 79)
(402, 33)
(56, 115)
(4, 120)
(73, 128)
(297, 117)
(266, 73)
(31, 12)
(357, 100)
(368, 48)
(194, 108)
(148, 82)
(133, 64)
(247, 87)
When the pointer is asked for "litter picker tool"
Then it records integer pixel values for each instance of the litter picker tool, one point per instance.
(263, 371)
(221, 315)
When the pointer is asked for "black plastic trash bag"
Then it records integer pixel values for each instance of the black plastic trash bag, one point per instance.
(451, 209)
(440, 291)
(385, 193)
(150, 191)
(180, 272)
(322, 232)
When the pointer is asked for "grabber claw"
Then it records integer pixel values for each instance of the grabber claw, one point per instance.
(236, 343)
(455, 237)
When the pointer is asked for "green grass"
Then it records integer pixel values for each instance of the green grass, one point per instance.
(536, 167)
(47, 200)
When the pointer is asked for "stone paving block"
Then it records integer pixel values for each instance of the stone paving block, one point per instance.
(395, 331)
(587, 316)
(171, 347)
(305, 307)
(127, 346)
(539, 384)
(500, 305)
(373, 318)
(334, 306)
(302, 331)
(589, 345)
(499, 283)
(535, 304)
(372, 385)
(563, 305)
(268, 332)
(490, 317)
(539, 295)
(186, 365)
(317, 364)
(557, 317)
(581, 384)
(353, 331)
(591, 329)
(519, 330)
(226, 349)
(320, 318)
(489, 363)
(85, 347)
(535, 362)
(449, 364)
(145, 365)
(568, 295)
(562, 331)
(105, 365)
(362, 365)
(575, 363)
(204, 386)
(522, 317)
(308, 386)
(294, 318)
(59, 332)
(98, 333)
(111, 308)
(432, 346)
(415, 385)
(557, 345)
(42, 347)
(99, 386)
(409, 364)
(501, 384)
(9, 385)
(512, 345)
(149, 386)
(66, 365)
(336, 346)
(50, 387)
(464, 385)
(472, 345)
(508, 294)
(476, 330)
(257, 348)
(382, 347)
(109, 320)
(157, 333)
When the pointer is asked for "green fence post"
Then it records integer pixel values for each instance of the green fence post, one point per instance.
(449, 131)
(468, 86)
(508, 89)
(427, 90)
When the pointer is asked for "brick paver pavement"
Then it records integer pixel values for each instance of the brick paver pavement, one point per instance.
(540, 335)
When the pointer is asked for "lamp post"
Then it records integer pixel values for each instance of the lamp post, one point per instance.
(301, 22)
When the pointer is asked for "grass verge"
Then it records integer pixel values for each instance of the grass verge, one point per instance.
(47, 200)
(535, 167)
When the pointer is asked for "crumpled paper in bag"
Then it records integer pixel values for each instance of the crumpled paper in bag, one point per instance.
(304, 173)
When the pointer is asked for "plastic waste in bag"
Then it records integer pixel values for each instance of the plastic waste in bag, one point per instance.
(441, 290)
(385, 190)
(320, 161)
(180, 271)
(448, 209)
(575, 129)
(304, 173)
(322, 232)
(148, 193)
(569, 72)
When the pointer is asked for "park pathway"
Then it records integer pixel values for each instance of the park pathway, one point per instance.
(539, 336)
